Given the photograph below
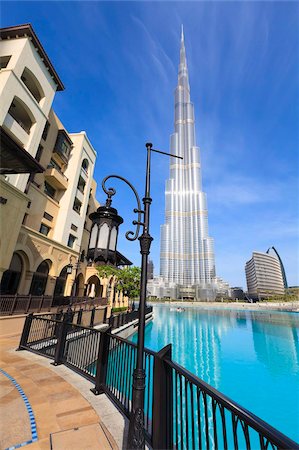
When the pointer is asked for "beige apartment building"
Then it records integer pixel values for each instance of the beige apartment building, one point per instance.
(47, 190)
(42, 214)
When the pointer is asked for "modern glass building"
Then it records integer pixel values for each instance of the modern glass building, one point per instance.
(187, 252)
(264, 276)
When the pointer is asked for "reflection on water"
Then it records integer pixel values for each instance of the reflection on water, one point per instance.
(278, 342)
(251, 356)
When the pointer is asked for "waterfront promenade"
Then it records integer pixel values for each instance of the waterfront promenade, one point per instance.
(260, 306)
(66, 414)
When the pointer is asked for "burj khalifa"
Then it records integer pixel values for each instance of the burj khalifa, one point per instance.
(187, 259)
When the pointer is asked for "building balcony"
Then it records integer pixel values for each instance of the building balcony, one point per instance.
(16, 130)
(63, 146)
(57, 179)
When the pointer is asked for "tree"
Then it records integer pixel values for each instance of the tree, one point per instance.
(127, 279)
(107, 271)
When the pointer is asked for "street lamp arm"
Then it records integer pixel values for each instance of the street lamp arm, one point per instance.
(130, 235)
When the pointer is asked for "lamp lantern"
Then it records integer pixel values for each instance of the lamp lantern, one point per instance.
(69, 269)
(104, 233)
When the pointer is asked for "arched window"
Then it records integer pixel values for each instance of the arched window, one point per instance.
(60, 282)
(32, 83)
(11, 277)
(79, 285)
(22, 114)
(39, 279)
(85, 165)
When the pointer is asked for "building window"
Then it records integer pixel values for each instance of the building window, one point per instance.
(54, 164)
(40, 278)
(77, 205)
(21, 114)
(85, 165)
(46, 130)
(49, 190)
(48, 216)
(60, 283)
(44, 229)
(71, 241)
(63, 146)
(39, 153)
(32, 84)
(4, 60)
(73, 227)
(24, 219)
(81, 184)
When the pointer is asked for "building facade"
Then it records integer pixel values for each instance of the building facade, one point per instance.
(43, 208)
(187, 264)
(263, 275)
(46, 182)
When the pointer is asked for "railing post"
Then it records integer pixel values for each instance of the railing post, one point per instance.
(93, 311)
(41, 303)
(79, 317)
(111, 321)
(162, 401)
(28, 304)
(25, 332)
(102, 363)
(105, 315)
(58, 317)
(13, 305)
(51, 303)
(61, 336)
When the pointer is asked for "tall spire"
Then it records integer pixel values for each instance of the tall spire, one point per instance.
(183, 78)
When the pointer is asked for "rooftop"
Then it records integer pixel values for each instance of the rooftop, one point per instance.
(26, 30)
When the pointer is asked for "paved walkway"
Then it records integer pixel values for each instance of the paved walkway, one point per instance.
(67, 415)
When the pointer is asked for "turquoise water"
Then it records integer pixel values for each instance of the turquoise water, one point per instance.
(252, 357)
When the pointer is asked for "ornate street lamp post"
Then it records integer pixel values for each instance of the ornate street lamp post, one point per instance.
(136, 438)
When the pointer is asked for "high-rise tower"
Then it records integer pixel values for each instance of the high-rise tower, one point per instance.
(187, 253)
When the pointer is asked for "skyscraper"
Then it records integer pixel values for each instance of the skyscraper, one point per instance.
(187, 251)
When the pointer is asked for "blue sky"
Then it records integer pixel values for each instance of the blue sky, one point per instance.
(118, 61)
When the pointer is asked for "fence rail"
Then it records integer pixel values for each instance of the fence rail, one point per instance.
(119, 369)
(81, 350)
(119, 320)
(181, 411)
(24, 304)
(204, 418)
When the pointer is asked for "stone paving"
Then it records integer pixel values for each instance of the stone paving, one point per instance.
(67, 414)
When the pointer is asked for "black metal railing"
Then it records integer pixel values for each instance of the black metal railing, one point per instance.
(40, 335)
(120, 365)
(24, 304)
(117, 321)
(181, 411)
(204, 418)
(84, 317)
(81, 350)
